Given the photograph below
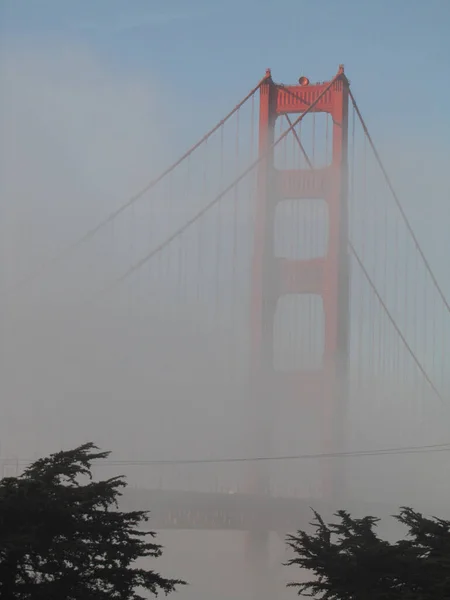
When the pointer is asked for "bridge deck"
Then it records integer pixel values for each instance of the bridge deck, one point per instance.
(200, 510)
(171, 509)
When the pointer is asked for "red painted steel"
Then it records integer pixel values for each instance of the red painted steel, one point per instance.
(326, 276)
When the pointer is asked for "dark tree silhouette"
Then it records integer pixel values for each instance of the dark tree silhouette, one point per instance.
(350, 562)
(62, 535)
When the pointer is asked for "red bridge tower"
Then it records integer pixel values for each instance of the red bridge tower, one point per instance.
(326, 276)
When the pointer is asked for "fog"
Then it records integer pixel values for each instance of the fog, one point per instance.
(151, 378)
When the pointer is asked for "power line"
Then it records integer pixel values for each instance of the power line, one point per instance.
(390, 451)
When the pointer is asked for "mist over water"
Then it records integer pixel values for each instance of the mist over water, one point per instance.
(151, 379)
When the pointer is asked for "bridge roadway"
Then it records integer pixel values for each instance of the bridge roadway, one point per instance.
(219, 511)
(170, 509)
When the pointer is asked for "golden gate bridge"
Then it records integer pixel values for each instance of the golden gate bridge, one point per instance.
(280, 239)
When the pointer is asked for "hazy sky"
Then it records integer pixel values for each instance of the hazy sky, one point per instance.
(169, 58)
(202, 47)
(98, 96)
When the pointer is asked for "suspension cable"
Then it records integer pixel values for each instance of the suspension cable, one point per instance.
(113, 215)
(299, 142)
(393, 321)
(382, 302)
(399, 204)
(364, 270)
(136, 266)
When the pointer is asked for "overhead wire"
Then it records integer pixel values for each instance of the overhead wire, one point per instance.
(389, 451)
(89, 234)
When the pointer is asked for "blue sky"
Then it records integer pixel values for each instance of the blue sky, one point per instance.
(206, 55)
(216, 50)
